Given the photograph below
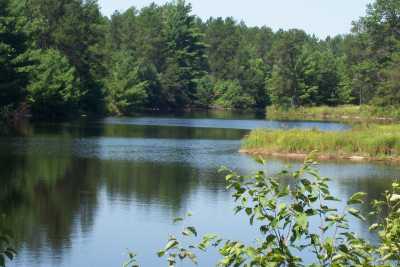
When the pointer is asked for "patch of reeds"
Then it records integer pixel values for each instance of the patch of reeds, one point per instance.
(339, 113)
(373, 141)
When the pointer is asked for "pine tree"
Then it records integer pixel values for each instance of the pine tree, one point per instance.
(13, 56)
(186, 61)
(54, 89)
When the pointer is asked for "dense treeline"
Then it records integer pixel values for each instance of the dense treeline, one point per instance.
(61, 57)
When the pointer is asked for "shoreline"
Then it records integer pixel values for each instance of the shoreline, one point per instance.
(318, 156)
(344, 113)
(361, 143)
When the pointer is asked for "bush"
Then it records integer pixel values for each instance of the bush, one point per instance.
(284, 215)
(205, 93)
(125, 87)
(54, 88)
(230, 94)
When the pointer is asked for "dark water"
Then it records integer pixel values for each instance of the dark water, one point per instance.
(85, 193)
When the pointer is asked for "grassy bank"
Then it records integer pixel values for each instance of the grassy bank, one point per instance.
(339, 113)
(377, 142)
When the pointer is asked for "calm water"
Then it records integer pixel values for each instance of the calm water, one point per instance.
(85, 193)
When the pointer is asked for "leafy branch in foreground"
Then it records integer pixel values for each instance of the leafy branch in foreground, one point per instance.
(176, 249)
(7, 252)
(387, 211)
(294, 220)
(299, 225)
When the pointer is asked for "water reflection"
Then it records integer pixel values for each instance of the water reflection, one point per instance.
(81, 194)
(226, 124)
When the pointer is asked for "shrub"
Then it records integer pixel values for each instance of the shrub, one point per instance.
(54, 89)
(230, 94)
(284, 214)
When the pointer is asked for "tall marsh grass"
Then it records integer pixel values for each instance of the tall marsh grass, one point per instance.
(374, 141)
(341, 113)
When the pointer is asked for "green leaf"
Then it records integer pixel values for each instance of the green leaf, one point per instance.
(249, 211)
(356, 213)
(374, 227)
(394, 198)
(338, 257)
(252, 252)
(331, 198)
(229, 177)
(161, 253)
(328, 245)
(270, 238)
(189, 231)
(171, 244)
(178, 219)
(357, 198)
(260, 160)
(302, 221)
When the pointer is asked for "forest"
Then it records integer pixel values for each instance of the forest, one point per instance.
(61, 58)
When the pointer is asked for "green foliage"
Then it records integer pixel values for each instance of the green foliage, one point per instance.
(231, 94)
(285, 85)
(205, 92)
(364, 113)
(388, 225)
(388, 92)
(321, 80)
(369, 142)
(186, 62)
(7, 252)
(284, 216)
(381, 24)
(126, 89)
(5, 112)
(253, 82)
(279, 88)
(13, 56)
(54, 89)
(77, 30)
(131, 262)
(296, 220)
(185, 55)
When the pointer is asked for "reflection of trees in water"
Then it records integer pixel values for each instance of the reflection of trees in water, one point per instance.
(137, 131)
(58, 196)
(50, 198)
(41, 193)
(167, 184)
(51, 210)
(373, 185)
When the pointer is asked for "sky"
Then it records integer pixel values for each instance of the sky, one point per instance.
(319, 17)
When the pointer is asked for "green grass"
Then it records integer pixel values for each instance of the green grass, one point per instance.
(339, 113)
(372, 142)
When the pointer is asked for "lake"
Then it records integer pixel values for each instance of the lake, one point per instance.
(85, 193)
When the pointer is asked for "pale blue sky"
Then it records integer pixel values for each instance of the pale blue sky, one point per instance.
(321, 17)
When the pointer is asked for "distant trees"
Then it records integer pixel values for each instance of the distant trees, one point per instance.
(185, 60)
(54, 88)
(170, 43)
(126, 88)
(13, 56)
(76, 29)
(62, 54)
(286, 84)
(371, 52)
